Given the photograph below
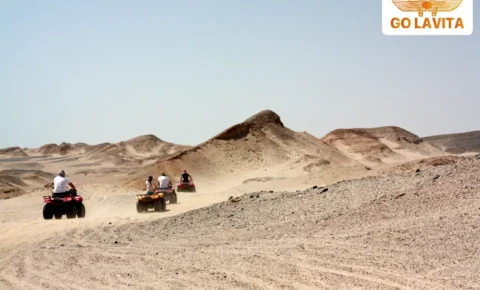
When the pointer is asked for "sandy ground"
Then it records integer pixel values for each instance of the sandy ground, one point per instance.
(400, 231)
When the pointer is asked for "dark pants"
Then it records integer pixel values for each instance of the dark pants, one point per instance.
(66, 193)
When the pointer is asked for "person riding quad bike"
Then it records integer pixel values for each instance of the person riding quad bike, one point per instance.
(185, 177)
(149, 186)
(186, 183)
(163, 182)
(60, 183)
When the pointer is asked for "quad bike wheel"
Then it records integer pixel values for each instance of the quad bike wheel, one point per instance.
(47, 212)
(141, 207)
(72, 212)
(81, 211)
(163, 203)
(160, 205)
(57, 216)
(173, 198)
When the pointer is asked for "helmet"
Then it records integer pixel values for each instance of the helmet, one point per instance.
(62, 173)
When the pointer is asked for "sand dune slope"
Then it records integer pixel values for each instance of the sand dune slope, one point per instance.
(375, 146)
(401, 231)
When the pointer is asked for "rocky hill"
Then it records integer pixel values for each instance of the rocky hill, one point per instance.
(457, 143)
(261, 143)
(379, 145)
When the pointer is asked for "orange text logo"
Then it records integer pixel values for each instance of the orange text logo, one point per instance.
(428, 16)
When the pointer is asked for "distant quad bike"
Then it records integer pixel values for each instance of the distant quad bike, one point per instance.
(68, 203)
(155, 201)
(186, 187)
(169, 194)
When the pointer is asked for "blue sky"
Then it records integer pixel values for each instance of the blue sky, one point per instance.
(106, 71)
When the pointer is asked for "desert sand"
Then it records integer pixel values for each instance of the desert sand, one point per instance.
(377, 208)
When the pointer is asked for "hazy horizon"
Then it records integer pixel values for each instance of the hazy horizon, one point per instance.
(111, 68)
(226, 127)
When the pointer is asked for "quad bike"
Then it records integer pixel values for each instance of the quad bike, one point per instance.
(169, 194)
(186, 186)
(68, 203)
(147, 201)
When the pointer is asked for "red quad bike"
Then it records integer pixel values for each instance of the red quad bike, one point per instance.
(186, 186)
(69, 204)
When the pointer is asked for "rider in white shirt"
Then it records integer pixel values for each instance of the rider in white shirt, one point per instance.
(60, 183)
(163, 181)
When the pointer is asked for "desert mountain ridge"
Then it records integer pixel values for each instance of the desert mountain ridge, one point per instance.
(22, 169)
(13, 152)
(145, 146)
(388, 144)
(457, 143)
(370, 141)
(260, 149)
(262, 144)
